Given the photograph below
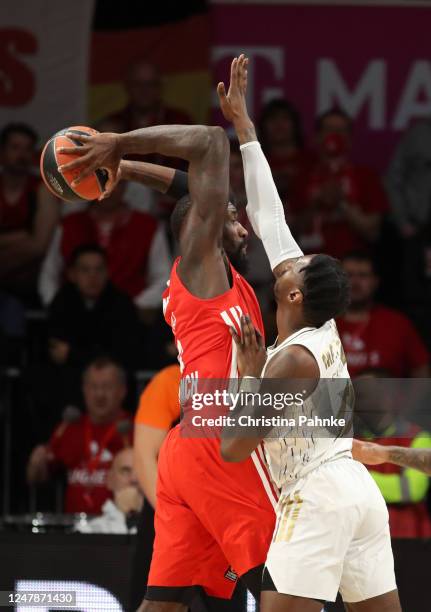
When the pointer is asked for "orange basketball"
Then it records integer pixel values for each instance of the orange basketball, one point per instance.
(59, 184)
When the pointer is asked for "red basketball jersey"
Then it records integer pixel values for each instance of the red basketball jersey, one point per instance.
(205, 346)
(205, 506)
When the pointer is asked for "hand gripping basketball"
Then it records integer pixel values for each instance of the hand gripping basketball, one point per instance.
(92, 153)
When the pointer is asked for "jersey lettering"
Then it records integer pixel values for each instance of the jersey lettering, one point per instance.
(189, 386)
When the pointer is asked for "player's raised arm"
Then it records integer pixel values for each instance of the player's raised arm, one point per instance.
(265, 209)
(207, 151)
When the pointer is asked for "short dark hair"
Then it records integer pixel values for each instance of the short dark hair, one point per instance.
(325, 290)
(105, 361)
(361, 256)
(86, 249)
(334, 111)
(17, 128)
(280, 105)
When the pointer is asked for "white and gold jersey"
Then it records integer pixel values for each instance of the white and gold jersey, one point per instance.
(291, 458)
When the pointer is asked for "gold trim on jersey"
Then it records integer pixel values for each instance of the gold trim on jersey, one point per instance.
(290, 509)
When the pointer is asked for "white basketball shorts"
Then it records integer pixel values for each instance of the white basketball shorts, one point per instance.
(332, 533)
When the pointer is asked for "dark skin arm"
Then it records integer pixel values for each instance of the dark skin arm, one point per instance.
(374, 454)
(295, 362)
(154, 176)
(202, 267)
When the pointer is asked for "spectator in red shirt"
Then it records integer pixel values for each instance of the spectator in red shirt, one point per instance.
(338, 205)
(374, 336)
(281, 135)
(84, 445)
(28, 211)
(136, 247)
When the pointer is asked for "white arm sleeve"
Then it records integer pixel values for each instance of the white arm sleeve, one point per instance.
(265, 209)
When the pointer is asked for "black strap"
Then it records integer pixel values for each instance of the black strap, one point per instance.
(179, 186)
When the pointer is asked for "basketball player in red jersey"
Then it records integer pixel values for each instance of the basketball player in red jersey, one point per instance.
(214, 520)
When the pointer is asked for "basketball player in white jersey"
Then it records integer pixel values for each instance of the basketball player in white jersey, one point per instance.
(332, 529)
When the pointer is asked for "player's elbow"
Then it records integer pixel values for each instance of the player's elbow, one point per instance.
(217, 139)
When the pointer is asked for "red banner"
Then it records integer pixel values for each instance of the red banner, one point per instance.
(372, 61)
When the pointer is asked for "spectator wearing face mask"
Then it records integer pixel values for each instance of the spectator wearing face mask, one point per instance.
(338, 205)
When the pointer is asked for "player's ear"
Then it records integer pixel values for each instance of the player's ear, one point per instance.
(295, 296)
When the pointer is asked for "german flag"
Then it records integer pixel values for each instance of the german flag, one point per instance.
(172, 35)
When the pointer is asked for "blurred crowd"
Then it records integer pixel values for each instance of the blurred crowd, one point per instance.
(81, 324)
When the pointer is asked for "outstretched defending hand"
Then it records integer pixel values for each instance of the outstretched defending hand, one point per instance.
(369, 452)
(98, 151)
(233, 104)
(251, 350)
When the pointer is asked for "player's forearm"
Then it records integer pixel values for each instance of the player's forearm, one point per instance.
(184, 141)
(245, 130)
(161, 178)
(265, 209)
(153, 176)
(416, 458)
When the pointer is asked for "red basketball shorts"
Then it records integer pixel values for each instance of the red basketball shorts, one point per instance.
(214, 520)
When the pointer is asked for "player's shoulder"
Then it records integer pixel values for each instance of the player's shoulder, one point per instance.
(294, 361)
